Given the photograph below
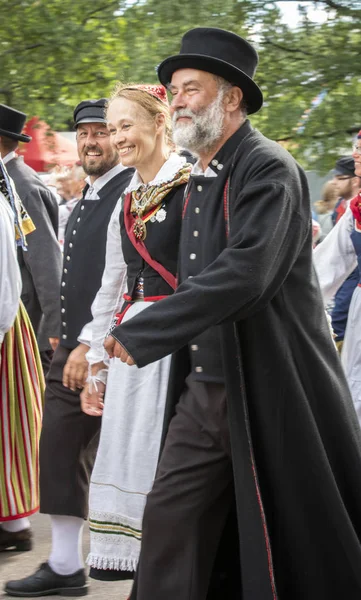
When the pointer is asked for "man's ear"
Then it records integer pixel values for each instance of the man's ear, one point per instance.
(233, 99)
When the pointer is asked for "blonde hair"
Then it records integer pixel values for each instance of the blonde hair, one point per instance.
(328, 198)
(150, 103)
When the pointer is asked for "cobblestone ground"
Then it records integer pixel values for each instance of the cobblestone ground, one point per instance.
(14, 565)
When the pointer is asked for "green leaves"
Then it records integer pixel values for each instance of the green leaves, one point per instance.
(54, 53)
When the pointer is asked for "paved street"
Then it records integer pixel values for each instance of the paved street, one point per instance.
(14, 565)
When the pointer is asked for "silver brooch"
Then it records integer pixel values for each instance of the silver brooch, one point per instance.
(161, 215)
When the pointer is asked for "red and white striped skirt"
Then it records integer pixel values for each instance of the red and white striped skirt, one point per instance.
(21, 403)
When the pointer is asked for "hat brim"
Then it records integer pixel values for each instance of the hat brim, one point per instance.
(90, 120)
(22, 137)
(252, 94)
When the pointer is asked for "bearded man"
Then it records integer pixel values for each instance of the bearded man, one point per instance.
(69, 438)
(260, 431)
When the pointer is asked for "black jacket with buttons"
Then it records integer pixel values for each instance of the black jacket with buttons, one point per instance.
(84, 256)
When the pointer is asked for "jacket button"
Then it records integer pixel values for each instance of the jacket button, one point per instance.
(194, 347)
(70, 245)
(199, 188)
(64, 336)
(199, 369)
(68, 257)
(219, 167)
(214, 162)
(197, 210)
(62, 297)
(82, 208)
(63, 310)
(74, 231)
(63, 284)
(192, 256)
(196, 233)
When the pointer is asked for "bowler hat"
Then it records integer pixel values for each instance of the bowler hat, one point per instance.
(90, 111)
(222, 53)
(345, 166)
(12, 122)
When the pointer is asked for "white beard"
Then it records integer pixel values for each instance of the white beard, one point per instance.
(205, 128)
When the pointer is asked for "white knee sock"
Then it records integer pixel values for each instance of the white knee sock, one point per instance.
(16, 525)
(67, 544)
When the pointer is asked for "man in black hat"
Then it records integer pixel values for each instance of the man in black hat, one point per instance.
(40, 265)
(69, 437)
(257, 395)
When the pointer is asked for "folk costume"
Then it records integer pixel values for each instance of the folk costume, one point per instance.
(141, 266)
(21, 381)
(257, 395)
(64, 478)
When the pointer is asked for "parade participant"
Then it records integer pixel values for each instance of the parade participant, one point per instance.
(40, 265)
(141, 264)
(347, 185)
(69, 437)
(335, 259)
(21, 381)
(257, 395)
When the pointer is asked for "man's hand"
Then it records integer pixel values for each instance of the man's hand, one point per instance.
(54, 343)
(76, 369)
(116, 350)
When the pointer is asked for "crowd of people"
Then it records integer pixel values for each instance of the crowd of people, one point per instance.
(196, 410)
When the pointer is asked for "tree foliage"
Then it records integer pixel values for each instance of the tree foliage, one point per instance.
(54, 53)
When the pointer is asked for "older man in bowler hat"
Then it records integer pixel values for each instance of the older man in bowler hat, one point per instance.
(40, 265)
(69, 437)
(259, 413)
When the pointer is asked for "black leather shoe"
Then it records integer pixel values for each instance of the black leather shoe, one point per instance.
(20, 541)
(45, 582)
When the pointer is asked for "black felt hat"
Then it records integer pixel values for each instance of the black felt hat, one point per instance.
(12, 122)
(345, 166)
(90, 111)
(222, 53)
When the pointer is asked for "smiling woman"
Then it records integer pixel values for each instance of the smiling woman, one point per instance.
(141, 265)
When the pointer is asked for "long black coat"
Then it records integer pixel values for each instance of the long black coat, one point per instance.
(296, 443)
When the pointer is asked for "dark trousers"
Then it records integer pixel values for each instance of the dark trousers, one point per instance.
(191, 498)
(68, 446)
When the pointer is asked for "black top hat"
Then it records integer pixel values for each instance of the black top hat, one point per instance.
(90, 111)
(345, 166)
(222, 53)
(11, 123)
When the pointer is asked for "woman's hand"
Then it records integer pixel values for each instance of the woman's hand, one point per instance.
(92, 403)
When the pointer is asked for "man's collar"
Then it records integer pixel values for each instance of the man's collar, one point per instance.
(216, 164)
(103, 179)
(9, 157)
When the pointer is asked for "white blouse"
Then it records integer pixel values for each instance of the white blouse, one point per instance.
(10, 278)
(335, 257)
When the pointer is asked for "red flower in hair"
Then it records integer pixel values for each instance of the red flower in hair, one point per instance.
(355, 206)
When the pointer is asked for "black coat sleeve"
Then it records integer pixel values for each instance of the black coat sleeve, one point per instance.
(269, 226)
